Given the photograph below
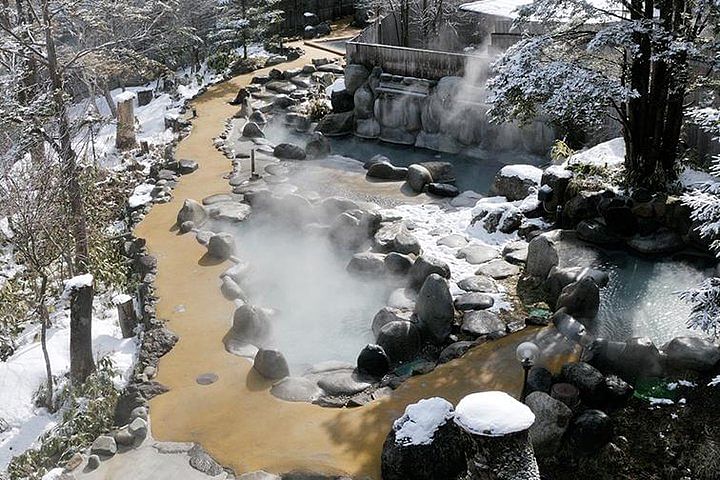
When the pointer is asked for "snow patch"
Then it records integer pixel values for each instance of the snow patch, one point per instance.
(715, 382)
(606, 154)
(493, 414)
(523, 172)
(125, 96)
(421, 420)
(142, 195)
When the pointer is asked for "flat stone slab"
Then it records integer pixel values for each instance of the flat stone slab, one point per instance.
(498, 269)
(474, 301)
(343, 382)
(454, 240)
(233, 212)
(478, 283)
(482, 322)
(516, 252)
(296, 389)
(477, 254)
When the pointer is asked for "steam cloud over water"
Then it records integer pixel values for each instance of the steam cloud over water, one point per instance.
(323, 313)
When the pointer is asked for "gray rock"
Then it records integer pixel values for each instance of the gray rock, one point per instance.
(368, 128)
(221, 246)
(334, 206)
(406, 243)
(367, 263)
(230, 212)
(231, 290)
(692, 353)
(355, 76)
(373, 360)
(640, 359)
(498, 269)
(516, 252)
(400, 340)
(515, 187)
(434, 309)
(557, 178)
(252, 130)
(595, 232)
(387, 171)
(560, 277)
(418, 177)
(258, 118)
(591, 431)
(336, 124)
(192, 211)
(123, 438)
(444, 190)
(203, 462)
(478, 323)
(364, 104)
(93, 462)
(251, 324)
(474, 301)
(271, 364)
(186, 166)
(580, 299)
(343, 383)
(138, 428)
(288, 151)
(477, 254)
(661, 242)
(318, 146)
(424, 266)
(384, 238)
(455, 350)
(104, 446)
(218, 198)
(478, 283)
(296, 389)
(539, 380)
(440, 172)
(397, 263)
(552, 419)
(283, 102)
(585, 377)
(454, 240)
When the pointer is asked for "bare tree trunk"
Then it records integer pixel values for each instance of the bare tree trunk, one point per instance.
(81, 359)
(45, 323)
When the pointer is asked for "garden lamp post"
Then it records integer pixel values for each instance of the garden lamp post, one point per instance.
(527, 354)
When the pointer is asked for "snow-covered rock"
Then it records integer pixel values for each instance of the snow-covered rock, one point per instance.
(493, 414)
(606, 154)
(421, 420)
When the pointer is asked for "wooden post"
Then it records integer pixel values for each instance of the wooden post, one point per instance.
(125, 136)
(81, 359)
(126, 315)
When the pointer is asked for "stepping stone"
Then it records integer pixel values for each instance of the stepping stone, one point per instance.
(453, 241)
(343, 382)
(275, 169)
(481, 322)
(474, 301)
(498, 269)
(296, 389)
(478, 283)
(516, 252)
(477, 254)
(206, 379)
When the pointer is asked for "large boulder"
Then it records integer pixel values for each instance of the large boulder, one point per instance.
(552, 419)
(558, 179)
(594, 231)
(387, 171)
(424, 444)
(585, 377)
(355, 76)
(418, 177)
(252, 130)
(591, 431)
(400, 340)
(336, 124)
(398, 263)
(480, 323)
(318, 146)
(440, 172)
(561, 277)
(434, 309)
(387, 315)
(515, 182)
(580, 299)
(478, 283)
(692, 353)
(373, 360)
(271, 364)
(296, 389)
(343, 382)
(342, 101)
(192, 211)
(558, 248)
(364, 104)
(221, 246)
(640, 359)
(662, 241)
(367, 263)
(251, 325)
(288, 151)
(423, 267)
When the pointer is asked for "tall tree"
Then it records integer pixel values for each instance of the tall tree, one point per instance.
(243, 22)
(635, 60)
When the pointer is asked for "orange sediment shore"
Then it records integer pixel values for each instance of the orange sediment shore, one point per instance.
(236, 419)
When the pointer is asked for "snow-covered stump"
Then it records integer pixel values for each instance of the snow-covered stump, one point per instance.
(424, 444)
(80, 291)
(498, 426)
(125, 135)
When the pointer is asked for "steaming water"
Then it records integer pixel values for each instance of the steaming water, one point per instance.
(473, 172)
(323, 312)
(642, 298)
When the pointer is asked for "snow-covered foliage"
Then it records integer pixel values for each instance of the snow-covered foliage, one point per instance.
(705, 204)
(244, 22)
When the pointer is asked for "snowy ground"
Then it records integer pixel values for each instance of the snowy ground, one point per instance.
(23, 373)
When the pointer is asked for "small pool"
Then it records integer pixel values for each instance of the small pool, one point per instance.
(642, 298)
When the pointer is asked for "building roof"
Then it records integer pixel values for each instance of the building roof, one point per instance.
(509, 8)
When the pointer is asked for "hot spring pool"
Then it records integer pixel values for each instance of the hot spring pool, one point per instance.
(642, 298)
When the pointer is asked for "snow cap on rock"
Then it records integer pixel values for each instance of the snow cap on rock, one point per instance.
(493, 414)
(421, 420)
(76, 283)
